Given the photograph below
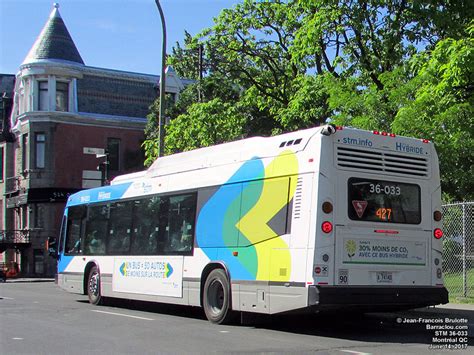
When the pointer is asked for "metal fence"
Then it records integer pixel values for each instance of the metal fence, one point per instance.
(458, 249)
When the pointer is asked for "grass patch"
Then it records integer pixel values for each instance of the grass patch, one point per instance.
(454, 284)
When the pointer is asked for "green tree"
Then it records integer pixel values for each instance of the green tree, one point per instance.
(367, 38)
(205, 124)
(185, 61)
(275, 66)
(442, 110)
(251, 44)
(365, 45)
(247, 60)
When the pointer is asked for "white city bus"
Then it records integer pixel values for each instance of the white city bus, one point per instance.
(317, 219)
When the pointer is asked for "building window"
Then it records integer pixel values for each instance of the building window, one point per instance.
(24, 217)
(62, 96)
(21, 94)
(38, 215)
(38, 256)
(43, 96)
(113, 149)
(24, 152)
(2, 168)
(40, 150)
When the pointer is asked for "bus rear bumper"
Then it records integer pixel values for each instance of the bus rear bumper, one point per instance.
(376, 297)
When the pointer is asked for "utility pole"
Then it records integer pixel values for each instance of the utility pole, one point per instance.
(200, 52)
(161, 117)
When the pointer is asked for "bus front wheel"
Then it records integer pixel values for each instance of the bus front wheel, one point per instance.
(93, 286)
(216, 299)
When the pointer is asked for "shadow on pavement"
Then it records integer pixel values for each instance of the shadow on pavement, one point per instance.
(370, 327)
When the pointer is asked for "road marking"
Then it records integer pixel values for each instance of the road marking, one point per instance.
(224, 331)
(122, 315)
(355, 352)
(6, 298)
(18, 338)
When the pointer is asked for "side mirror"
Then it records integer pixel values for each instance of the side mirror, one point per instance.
(52, 247)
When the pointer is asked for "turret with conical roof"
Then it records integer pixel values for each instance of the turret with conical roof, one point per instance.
(54, 42)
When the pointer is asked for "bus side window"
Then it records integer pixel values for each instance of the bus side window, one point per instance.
(145, 226)
(96, 230)
(120, 228)
(180, 227)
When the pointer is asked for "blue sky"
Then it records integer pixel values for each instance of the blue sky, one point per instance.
(116, 34)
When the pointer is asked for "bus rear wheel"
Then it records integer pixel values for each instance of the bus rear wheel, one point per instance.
(93, 286)
(216, 298)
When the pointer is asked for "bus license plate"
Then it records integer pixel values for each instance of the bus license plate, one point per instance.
(384, 277)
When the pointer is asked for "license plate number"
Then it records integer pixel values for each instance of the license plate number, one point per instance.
(384, 277)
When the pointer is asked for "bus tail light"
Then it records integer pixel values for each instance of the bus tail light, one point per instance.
(327, 207)
(438, 233)
(437, 215)
(326, 227)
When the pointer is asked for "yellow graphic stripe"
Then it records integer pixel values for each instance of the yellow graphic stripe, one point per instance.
(276, 193)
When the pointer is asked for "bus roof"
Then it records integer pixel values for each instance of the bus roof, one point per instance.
(226, 153)
(248, 149)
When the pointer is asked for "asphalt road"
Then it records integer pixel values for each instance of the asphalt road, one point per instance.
(39, 318)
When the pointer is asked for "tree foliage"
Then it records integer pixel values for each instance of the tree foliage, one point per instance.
(205, 124)
(267, 67)
(442, 110)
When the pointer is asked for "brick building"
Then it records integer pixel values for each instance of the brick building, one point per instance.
(57, 113)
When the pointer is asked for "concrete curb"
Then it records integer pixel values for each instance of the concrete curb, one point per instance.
(24, 280)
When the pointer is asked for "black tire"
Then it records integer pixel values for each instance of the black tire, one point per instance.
(216, 299)
(93, 286)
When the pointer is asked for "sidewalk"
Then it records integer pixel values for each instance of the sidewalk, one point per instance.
(450, 309)
(450, 312)
(452, 306)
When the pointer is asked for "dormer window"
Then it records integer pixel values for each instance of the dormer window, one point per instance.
(62, 96)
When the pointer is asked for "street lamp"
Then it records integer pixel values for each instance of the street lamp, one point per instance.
(161, 118)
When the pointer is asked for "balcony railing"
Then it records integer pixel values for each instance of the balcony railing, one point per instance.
(14, 239)
(12, 184)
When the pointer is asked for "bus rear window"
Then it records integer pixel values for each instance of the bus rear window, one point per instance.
(383, 201)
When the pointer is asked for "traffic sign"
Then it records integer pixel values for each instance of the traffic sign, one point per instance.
(94, 151)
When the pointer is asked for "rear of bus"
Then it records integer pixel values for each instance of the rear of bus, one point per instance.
(379, 237)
